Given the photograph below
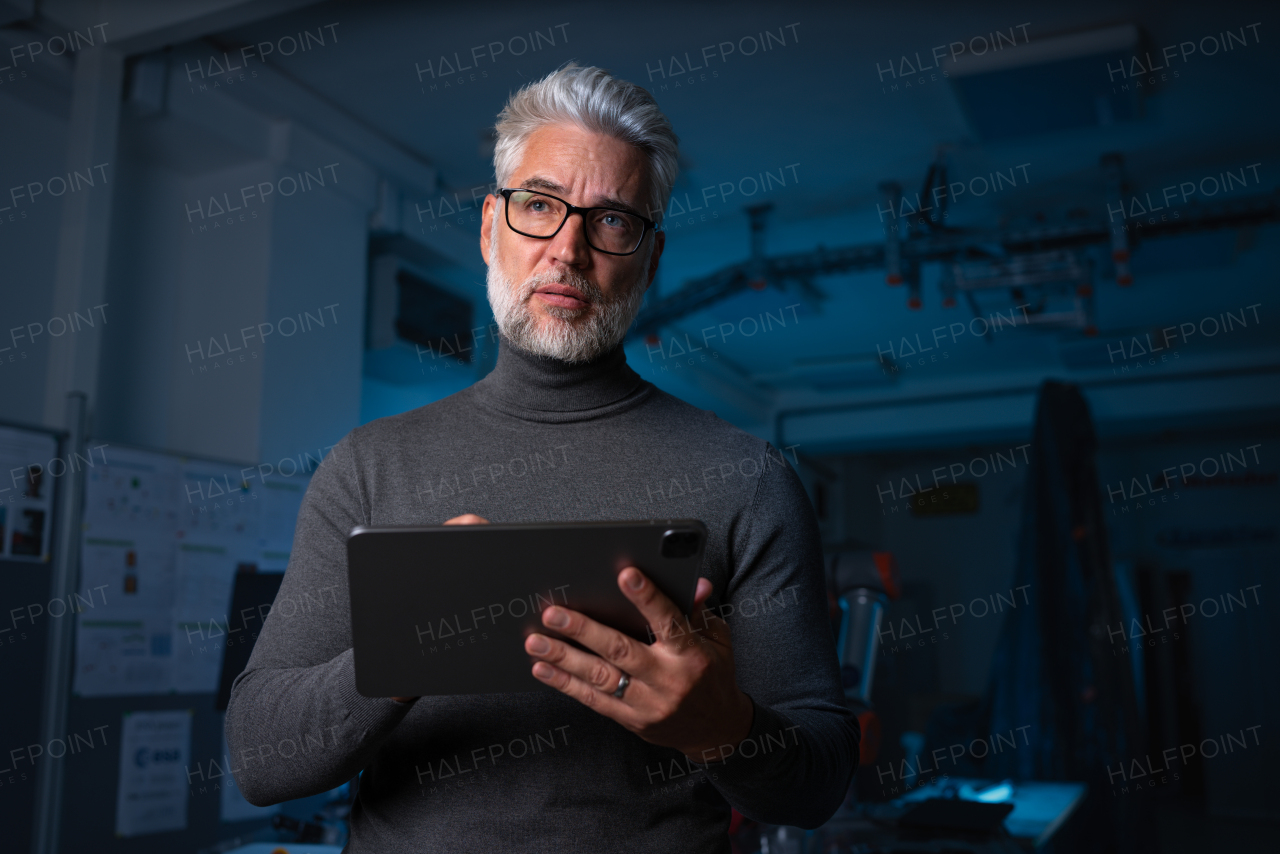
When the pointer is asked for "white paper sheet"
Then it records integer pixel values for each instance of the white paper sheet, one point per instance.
(124, 643)
(218, 504)
(132, 493)
(155, 749)
(202, 598)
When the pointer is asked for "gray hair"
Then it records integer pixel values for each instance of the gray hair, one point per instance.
(595, 101)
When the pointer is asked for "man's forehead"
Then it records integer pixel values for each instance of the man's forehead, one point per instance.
(563, 159)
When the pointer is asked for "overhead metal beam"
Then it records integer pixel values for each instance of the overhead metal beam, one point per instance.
(949, 246)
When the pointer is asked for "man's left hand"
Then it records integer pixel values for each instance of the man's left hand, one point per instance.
(682, 692)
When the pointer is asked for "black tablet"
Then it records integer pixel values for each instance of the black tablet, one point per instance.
(445, 609)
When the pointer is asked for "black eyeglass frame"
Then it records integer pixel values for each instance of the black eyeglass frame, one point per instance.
(570, 210)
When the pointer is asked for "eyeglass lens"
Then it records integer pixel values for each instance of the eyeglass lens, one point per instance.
(540, 216)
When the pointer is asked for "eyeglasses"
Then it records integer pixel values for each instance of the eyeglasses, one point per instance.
(541, 216)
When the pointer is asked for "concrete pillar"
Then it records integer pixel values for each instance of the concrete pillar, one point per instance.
(80, 272)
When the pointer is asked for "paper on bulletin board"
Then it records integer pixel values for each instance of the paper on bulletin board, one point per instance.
(218, 504)
(114, 658)
(201, 601)
(135, 492)
(30, 465)
(124, 642)
(155, 750)
(134, 575)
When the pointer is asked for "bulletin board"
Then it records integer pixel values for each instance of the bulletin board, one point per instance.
(28, 496)
(163, 536)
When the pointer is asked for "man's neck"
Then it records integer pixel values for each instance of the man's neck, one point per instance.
(543, 383)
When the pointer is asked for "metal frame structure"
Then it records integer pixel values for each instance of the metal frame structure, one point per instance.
(1028, 255)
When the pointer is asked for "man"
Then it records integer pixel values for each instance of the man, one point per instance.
(642, 747)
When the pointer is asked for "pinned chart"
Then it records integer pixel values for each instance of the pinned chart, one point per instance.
(163, 537)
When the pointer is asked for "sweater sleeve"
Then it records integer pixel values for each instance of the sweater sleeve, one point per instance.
(797, 762)
(296, 725)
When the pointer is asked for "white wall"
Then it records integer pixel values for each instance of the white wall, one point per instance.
(32, 149)
(241, 333)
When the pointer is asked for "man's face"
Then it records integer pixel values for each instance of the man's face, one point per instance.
(559, 297)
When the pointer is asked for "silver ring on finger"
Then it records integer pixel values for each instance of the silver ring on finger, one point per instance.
(623, 682)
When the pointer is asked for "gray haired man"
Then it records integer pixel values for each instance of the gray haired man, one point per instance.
(642, 747)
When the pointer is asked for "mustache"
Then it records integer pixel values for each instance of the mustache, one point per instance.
(563, 277)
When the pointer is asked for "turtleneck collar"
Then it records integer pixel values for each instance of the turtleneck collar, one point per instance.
(541, 388)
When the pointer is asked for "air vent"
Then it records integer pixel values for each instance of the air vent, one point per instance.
(1052, 84)
(433, 318)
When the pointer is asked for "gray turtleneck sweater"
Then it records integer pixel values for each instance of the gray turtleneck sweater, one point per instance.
(542, 440)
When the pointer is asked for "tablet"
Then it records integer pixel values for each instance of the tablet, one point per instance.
(445, 609)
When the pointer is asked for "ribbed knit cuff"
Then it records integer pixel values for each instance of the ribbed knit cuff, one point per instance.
(365, 715)
(769, 733)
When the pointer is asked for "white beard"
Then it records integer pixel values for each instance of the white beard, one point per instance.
(567, 334)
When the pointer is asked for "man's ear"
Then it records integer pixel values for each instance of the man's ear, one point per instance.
(486, 221)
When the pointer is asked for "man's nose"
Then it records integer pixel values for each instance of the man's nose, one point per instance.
(570, 243)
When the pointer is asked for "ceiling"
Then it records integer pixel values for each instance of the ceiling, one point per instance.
(817, 112)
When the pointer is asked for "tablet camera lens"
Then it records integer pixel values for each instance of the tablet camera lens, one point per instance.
(678, 544)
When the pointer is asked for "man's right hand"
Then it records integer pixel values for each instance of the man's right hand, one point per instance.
(464, 519)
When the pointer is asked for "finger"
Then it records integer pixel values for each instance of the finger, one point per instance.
(699, 614)
(664, 618)
(598, 701)
(591, 669)
(467, 519)
(707, 620)
(629, 656)
(703, 590)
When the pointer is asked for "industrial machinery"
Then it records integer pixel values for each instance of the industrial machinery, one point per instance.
(862, 582)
